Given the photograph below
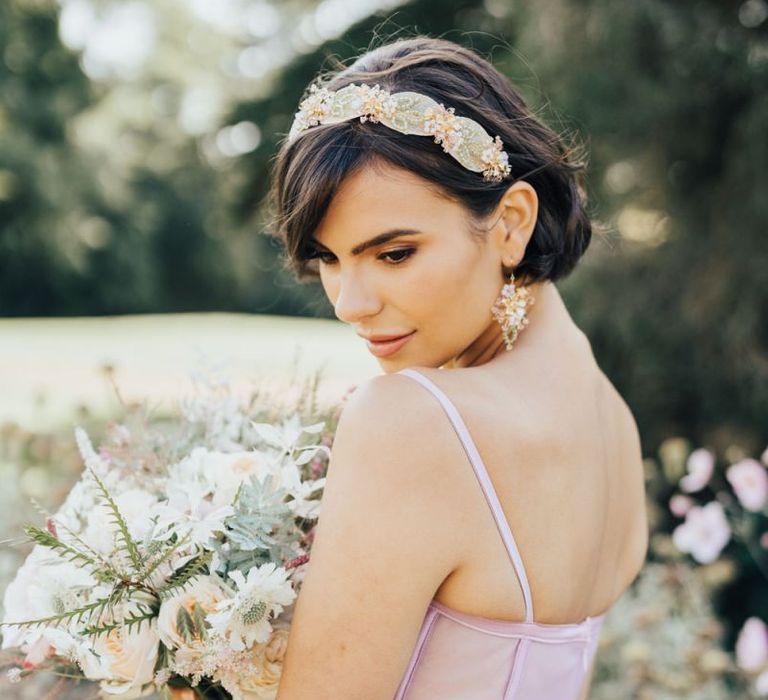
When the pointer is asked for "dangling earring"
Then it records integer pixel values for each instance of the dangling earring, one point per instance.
(509, 310)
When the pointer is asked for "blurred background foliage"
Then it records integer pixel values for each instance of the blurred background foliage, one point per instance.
(136, 140)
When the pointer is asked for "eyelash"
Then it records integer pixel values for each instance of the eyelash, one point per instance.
(408, 252)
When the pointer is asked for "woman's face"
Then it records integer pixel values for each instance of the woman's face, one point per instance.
(430, 278)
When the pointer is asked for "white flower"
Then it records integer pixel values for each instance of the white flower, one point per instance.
(186, 512)
(44, 585)
(244, 619)
(301, 505)
(704, 533)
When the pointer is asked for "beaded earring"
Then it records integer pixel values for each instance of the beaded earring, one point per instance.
(509, 310)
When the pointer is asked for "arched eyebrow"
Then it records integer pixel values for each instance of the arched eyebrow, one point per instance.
(379, 239)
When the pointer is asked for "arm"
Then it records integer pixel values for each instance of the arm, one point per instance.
(382, 547)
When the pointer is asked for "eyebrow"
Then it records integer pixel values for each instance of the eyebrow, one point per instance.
(379, 239)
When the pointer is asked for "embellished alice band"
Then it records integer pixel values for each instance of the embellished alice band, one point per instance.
(408, 113)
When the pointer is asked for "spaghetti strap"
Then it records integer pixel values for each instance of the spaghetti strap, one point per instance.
(485, 482)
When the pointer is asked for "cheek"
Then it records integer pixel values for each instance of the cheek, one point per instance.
(438, 288)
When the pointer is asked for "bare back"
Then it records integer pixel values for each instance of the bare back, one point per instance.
(562, 450)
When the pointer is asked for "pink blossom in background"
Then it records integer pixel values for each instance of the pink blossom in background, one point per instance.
(704, 533)
(680, 504)
(700, 465)
(749, 480)
(764, 540)
(752, 645)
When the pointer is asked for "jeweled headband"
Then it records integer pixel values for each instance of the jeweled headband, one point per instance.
(408, 113)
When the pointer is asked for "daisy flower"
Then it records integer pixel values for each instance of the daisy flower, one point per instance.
(244, 619)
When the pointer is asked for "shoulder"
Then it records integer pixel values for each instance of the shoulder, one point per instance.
(387, 406)
(394, 462)
(382, 392)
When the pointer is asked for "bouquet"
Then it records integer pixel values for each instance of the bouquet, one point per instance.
(175, 559)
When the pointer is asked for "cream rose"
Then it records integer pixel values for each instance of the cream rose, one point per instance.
(131, 656)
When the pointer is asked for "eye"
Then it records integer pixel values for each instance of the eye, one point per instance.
(395, 257)
(322, 255)
(405, 253)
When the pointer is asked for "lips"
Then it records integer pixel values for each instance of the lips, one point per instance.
(383, 338)
(384, 348)
(386, 338)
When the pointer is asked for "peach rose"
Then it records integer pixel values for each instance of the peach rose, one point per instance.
(131, 656)
(267, 665)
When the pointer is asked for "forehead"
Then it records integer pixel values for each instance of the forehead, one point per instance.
(381, 196)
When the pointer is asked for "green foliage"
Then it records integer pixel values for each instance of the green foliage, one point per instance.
(83, 613)
(262, 528)
(130, 622)
(197, 566)
(192, 626)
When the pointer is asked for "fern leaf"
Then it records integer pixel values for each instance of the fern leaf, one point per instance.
(134, 620)
(106, 572)
(88, 611)
(183, 576)
(65, 551)
(125, 535)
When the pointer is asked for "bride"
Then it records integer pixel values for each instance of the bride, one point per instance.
(484, 507)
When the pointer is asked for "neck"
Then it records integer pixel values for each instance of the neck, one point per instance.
(544, 315)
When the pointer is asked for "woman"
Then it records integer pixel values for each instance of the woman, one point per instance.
(484, 506)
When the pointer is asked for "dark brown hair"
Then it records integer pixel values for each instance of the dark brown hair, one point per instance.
(308, 171)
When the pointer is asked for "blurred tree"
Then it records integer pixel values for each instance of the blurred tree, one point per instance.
(672, 95)
(41, 86)
(97, 216)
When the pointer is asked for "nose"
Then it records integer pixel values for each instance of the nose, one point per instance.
(355, 300)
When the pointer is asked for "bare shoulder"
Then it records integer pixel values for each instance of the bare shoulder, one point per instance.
(385, 407)
(393, 437)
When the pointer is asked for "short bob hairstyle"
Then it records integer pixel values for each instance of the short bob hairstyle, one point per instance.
(310, 169)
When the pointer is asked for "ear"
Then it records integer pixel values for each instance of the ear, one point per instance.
(515, 217)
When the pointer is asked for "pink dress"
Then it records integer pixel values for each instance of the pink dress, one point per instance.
(466, 657)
